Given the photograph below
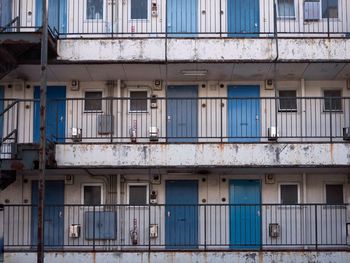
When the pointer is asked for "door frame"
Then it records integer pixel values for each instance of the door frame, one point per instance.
(230, 125)
(36, 112)
(195, 86)
(196, 220)
(240, 247)
(230, 16)
(34, 213)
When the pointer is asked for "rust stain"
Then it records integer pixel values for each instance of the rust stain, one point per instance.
(16, 165)
(331, 151)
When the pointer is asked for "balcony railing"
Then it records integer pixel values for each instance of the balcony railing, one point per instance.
(179, 120)
(171, 18)
(164, 227)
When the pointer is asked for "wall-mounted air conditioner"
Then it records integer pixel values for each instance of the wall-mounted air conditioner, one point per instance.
(105, 124)
(312, 10)
(346, 134)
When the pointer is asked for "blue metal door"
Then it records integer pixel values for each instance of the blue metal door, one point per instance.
(182, 16)
(1, 110)
(243, 18)
(243, 113)
(53, 214)
(5, 12)
(182, 113)
(55, 113)
(181, 213)
(57, 15)
(245, 219)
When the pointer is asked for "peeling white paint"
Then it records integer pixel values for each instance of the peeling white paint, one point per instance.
(184, 257)
(220, 155)
(153, 50)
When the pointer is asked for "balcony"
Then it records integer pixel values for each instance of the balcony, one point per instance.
(210, 227)
(154, 131)
(160, 19)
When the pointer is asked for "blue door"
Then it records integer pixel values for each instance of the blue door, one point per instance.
(1, 110)
(181, 213)
(245, 219)
(243, 113)
(182, 113)
(5, 12)
(243, 18)
(182, 16)
(57, 15)
(55, 114)
(53, 214)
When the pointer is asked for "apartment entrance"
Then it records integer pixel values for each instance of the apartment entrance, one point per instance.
(181, 214)
(53, 214)
(182, 17)
(55, 113)
(182, 113)
(1, 110)
(57, 15)
(5, 12)
(245, 209)
(243, 18)
(243, 113)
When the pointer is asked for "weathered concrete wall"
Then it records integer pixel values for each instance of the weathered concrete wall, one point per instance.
(213, 50)
(220, 155)
(188, 257)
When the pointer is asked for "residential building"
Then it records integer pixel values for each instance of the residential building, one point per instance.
(177, 131)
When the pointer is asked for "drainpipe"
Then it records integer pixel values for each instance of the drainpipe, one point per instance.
(42, 149)
(119, 112)
(302, 108)
(305, 212)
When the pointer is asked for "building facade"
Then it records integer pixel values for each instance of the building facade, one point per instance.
(193, 131)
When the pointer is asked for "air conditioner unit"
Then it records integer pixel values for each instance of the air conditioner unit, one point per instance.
(153, 133)
(274, 230)
(76, 134)
(105, 124)
(272, 133)
(312, 11)
(74, 230)
(346, 134)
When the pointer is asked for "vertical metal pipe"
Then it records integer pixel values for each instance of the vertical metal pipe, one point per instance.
(43, 84)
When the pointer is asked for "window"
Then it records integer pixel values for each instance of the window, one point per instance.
(139, 9)
(334, 194)
(285, 8)
(288, 100)
(138, 101)
(138, 194)
(93, 101)
(92, 194)
(330, 8)
(289, 194)
(94, 9)
(332, 100)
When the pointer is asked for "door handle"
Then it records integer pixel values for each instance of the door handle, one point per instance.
(258, 212)
(169, 214)
(60, 214)
(257, 117)
(169, 117)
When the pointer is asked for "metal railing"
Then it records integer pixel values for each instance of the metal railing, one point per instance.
(192, 18)
(164, 227)
(185, 120)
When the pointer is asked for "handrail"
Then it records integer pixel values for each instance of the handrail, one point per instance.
(16, 19)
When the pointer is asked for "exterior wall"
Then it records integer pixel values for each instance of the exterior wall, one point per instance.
(210, 116)
(116, 19)
(224, 257)
(187, 257)
(203, 50)
(213, 191)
